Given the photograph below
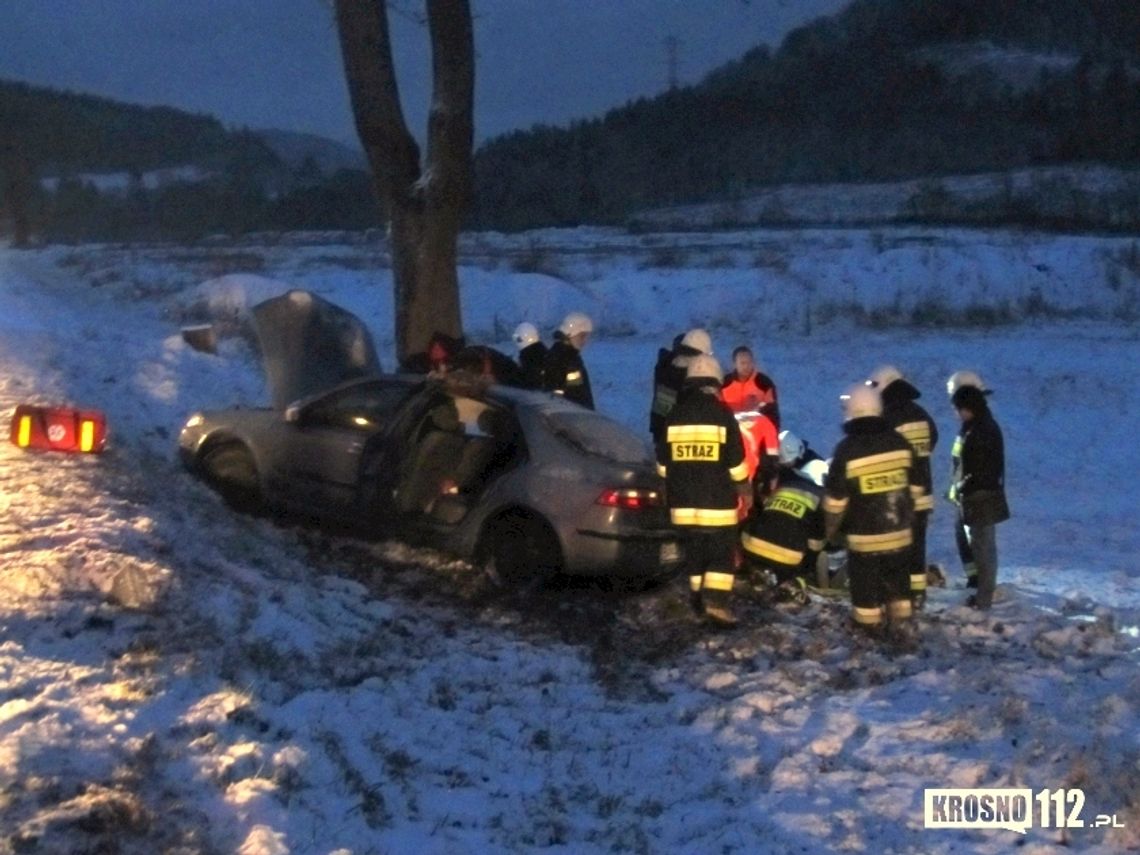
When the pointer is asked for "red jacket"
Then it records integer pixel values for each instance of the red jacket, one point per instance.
(757, 392)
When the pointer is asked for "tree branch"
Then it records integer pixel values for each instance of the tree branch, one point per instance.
(366, 48)
(450, 123)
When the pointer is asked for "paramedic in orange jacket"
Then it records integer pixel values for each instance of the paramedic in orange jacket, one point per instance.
(748, 388)
(751, 395)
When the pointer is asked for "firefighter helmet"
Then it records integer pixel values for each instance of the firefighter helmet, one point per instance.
(791, 448)
(965, 378)
(704, 367)
(525, 335)
(699, 340)
(574, 323)
(884, 376)
(861, 401)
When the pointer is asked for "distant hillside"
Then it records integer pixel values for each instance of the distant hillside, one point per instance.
(74, 133)
(885, 90)
(60, 130)
(326, 155)
(80, 167)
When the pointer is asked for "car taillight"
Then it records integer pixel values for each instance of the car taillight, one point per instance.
(630, 500)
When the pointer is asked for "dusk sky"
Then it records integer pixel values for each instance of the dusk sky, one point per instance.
(276, 63)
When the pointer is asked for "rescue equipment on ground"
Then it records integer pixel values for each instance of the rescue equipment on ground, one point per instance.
(59, 429)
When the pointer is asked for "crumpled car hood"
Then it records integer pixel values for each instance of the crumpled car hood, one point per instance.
(309, 344)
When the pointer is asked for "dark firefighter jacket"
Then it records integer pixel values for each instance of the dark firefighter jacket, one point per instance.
(871, 488)
(668, 378)
(566, 373)
(916, 426)
(532, 360)
(788, 530)
(701, 459)
(977, 479)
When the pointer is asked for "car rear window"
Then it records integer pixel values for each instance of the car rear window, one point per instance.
(597, 435)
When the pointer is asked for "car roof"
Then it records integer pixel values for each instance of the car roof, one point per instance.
(497, 393)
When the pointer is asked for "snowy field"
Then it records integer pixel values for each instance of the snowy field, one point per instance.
(178, 678)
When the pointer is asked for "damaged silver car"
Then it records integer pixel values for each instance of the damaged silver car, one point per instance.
(521, 482)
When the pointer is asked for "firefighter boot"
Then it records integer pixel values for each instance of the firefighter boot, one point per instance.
(720, 613)
(696, 601)
(717, 591)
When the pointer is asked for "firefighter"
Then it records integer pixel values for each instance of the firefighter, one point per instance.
(669, 375)
(977, 485)
(868, 501)
(750, 389)
(785, 535)
(915, 424)
(565, 372)
(532, 355)
(701, 458)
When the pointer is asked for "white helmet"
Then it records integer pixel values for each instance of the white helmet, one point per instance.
(791, 447)
(884, 376)
(704, 366)
(525, 335)
(574, 323)
(861, 401)
(699, 340)
(964, 378)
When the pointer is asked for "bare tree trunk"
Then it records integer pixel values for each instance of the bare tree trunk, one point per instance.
(424, 203)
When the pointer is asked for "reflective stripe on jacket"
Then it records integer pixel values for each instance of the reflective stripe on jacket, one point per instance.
(871, 488)
(701, 457)
(917, 427)
(789, 526)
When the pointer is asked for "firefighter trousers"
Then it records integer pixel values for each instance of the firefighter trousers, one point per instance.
(709, 562)
(918, 554)
(880, 585)
(978, 544)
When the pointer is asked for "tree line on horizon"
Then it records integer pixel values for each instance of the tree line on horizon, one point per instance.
(244, 185)
(858, 96)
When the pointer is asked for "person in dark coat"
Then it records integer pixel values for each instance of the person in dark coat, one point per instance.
(905, 415)
(566, 373)
(532, 355)
(977, 487)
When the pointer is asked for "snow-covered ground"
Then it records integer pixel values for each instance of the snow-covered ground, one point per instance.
(178, 678)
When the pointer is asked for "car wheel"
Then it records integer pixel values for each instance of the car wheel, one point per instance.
(229, 469)
(521, 549)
